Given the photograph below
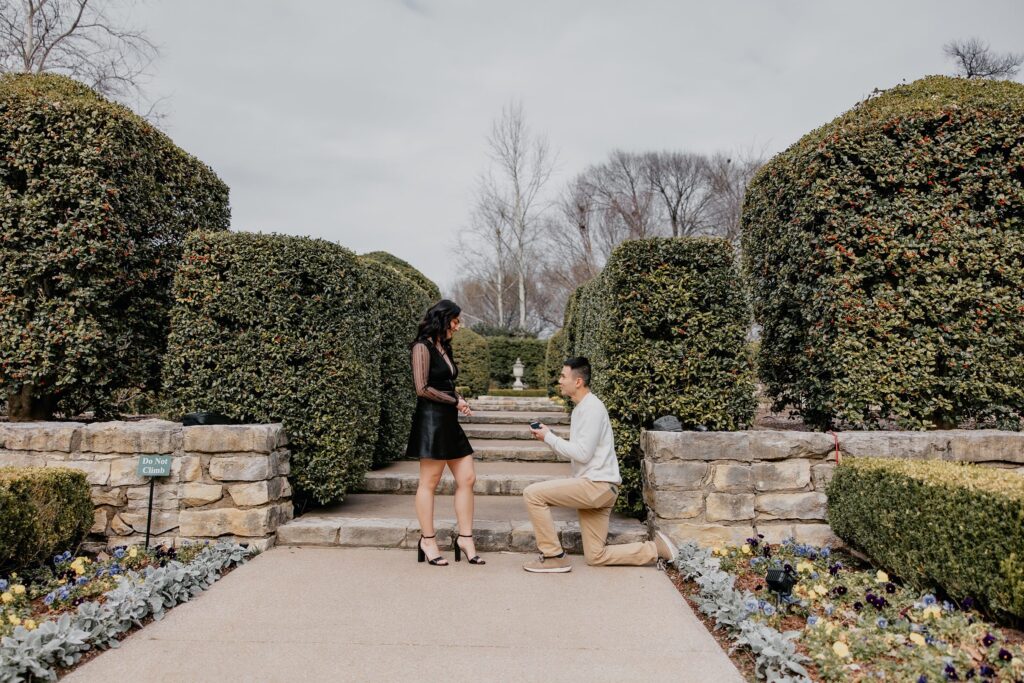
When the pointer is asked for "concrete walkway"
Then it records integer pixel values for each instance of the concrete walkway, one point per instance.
(365, 614)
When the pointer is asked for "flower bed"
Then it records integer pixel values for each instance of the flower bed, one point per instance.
(844, 621)
(51, 616)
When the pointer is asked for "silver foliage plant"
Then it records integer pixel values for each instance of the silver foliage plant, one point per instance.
(776, 658)
(34, 655)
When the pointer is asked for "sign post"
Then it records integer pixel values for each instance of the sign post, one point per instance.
(152, 466)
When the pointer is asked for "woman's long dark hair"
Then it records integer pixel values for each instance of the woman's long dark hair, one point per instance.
(436, 322)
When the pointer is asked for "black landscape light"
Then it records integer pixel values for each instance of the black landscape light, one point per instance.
(780, 581)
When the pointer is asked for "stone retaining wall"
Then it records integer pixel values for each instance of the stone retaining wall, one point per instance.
(724, 487)
(226, 481)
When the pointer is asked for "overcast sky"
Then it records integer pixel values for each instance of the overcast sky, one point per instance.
(364, 121)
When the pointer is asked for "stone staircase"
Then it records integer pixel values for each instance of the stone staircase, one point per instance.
(508, 460)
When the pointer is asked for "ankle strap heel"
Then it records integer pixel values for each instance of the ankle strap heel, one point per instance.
(458, 551)
(421, 555)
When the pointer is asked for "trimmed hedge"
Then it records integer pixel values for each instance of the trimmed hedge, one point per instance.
(94, 206)
(403, 267)
(935, 523)
(43, 511)
(472, 353)
(505, 350)
(401, 303)
(664, 326)
(277, 328)
(554, 360)
(885, 252)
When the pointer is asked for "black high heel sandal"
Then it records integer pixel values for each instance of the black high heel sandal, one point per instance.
(458, 551)
(421, 556)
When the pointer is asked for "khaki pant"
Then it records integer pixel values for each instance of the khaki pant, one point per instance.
(593, 500)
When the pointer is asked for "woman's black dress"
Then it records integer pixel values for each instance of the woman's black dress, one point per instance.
(436, 433)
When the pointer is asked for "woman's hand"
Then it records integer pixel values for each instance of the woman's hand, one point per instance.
(463, 407)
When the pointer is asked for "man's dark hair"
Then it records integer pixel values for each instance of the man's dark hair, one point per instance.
(581, 367)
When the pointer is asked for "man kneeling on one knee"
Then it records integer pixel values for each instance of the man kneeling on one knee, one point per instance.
(591, 490)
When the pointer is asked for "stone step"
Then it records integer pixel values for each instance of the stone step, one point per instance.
(508, 431)
(515, 417)
(517, 405)
(388, 521)
(490, 450)
(492, 478)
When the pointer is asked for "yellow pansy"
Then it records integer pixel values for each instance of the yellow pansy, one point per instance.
(7, 598)
(18, 589)
(932, 612)
(917, 638)
(841, 648)
(716, 550)
(79, 569)
(805, 567)
(14, 619)
(134, 552)
(746, 548)
(881, 577)
(820, 589)
(29, 624)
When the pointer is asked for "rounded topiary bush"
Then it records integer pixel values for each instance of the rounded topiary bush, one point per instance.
(664, 327)
(277, 328)
(403, 267)
(400, 303)
(43, 511)
(886, 257)
(473, 356)
(95, 204)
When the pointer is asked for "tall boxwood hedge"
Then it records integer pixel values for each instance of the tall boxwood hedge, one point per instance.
(664, 326)
(94, 206)
(504, 352)
(473, 356)
(279, 328)
(43, 511)
(403, 267)
(554, 359)
(935, 523)
(886, 255)
(401, 303)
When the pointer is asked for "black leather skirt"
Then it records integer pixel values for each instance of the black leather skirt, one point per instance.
(436, 433)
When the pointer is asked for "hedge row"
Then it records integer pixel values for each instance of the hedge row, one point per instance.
(277, 328)
(421, 280)
(94, 206)
(664, 327)
(42, 511)
(504, 352)
(554, 359)
(473, 356)
(885, 253)
(401, 303)
(935, 523)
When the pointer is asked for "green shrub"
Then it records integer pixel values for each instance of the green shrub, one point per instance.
(401, 303)
(521, 393)
(554, 360)
(472, 353)
(96, 203)
(885, 251)
(277, 328)
(421, 280)
(935, 523)
(43, 511)
(505, 351)
(664, 327)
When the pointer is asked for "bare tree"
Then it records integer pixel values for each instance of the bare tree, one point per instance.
(730, 174)
(524, 164)
(975, 59)
(77, 38)
(622, 189)
(683, 183)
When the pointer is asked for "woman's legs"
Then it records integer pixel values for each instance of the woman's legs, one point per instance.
(430, 476)
(465, 476)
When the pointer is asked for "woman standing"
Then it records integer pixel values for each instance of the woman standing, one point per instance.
(436, 437)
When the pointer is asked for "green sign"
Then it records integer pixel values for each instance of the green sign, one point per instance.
(154, 466)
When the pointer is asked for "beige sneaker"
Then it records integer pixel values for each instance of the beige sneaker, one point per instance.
(667, 550)
(549, 565)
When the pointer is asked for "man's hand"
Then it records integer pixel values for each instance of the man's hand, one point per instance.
(540, 434)
(463, 408)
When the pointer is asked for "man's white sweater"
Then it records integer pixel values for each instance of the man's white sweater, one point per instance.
(591, 445)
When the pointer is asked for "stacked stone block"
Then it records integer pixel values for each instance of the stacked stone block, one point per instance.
(725, 487)
(226, 481)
